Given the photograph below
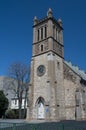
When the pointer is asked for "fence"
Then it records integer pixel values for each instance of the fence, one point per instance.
(44, 126)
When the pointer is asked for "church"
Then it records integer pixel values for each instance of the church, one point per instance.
(57, 89)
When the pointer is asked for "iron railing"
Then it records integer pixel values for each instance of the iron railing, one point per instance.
(44, 126)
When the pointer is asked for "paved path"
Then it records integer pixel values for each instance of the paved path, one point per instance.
(20, 121)
(13, 120)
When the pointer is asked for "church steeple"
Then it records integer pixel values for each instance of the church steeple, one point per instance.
(47, 35)
(47, 70)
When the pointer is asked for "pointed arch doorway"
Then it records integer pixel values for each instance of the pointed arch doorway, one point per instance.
(40, 108)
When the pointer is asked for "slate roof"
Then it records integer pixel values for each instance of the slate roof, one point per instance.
(76, 69)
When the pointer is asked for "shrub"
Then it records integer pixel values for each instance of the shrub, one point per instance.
(10, 114)
(3, 103)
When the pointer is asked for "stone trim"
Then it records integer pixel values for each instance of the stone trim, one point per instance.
(47, 39)
(68, 107)
(41, 21)
(47, 52)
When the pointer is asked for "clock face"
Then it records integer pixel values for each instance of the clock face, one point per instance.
(40, 70)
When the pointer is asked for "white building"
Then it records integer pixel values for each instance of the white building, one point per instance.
(9, 85)
(15, 103)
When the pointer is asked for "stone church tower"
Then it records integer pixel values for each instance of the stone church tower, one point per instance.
(57, 89)
(46, 94)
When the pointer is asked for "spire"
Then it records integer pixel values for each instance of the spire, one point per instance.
(49, 13)
(60, 22)
(35, 20)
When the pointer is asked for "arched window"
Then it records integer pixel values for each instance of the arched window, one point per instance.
(78, 96)
(58, 65)
(40, 100)
(45, 32)
(41, 33)
(56, 34)
(38, 35)
(41, 47)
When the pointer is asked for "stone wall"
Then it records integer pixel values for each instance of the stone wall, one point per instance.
(73, 94)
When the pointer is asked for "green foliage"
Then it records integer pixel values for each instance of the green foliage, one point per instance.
(3, 103)
(10, 114)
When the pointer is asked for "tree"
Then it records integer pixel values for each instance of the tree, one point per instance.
(20, 73)
(3, 103)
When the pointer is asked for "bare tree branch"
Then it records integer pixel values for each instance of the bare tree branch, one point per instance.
(20, 73)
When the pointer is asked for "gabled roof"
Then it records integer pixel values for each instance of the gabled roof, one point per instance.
(76, 69)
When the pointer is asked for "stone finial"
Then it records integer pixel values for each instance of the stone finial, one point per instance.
(35, 20)
(60, 22)
(49, 13)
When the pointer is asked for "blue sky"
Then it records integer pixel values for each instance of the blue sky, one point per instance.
(16, 20)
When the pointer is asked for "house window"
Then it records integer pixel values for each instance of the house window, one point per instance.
(15, 101)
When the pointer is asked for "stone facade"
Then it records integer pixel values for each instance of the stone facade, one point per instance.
(75, 94)
(57, 89)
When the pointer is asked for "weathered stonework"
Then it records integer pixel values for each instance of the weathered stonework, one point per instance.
(75, 94)
(59, 91)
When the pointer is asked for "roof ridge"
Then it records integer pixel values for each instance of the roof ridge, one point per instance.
(76, 69)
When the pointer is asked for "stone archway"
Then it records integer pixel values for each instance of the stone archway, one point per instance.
(40, 108)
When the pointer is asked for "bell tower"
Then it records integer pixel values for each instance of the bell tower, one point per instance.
(47, 35)
(46, 90)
